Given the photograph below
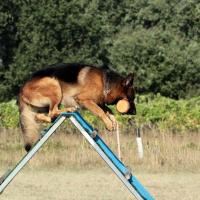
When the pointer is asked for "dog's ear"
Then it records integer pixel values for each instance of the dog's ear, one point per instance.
(128, 81)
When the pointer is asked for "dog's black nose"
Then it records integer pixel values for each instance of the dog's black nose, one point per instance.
(132, 112)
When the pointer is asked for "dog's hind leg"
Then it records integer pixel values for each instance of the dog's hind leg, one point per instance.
(67, 109)
(42, 117)
(53, 113)
(36, 98)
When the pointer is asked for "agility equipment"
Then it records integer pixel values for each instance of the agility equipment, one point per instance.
(123, 106)
(123, 172)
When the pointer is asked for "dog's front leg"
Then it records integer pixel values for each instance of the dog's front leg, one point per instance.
(95, 109)
(112, 118)
(109, 113)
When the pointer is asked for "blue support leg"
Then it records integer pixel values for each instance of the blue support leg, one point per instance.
(143, 193)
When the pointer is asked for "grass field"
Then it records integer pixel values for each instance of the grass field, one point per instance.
(162, 152)
(99, 184)
(67, 168)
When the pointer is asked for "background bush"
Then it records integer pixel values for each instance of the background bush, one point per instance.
(178, 116)
(9, 115)
(157, 39)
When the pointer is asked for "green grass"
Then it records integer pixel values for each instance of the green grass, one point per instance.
(165, 114)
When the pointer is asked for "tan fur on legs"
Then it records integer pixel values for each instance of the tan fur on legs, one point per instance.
(112, 118)
(28, 125)
(52, 114)
(42, 118)
(55, 113)
(69, 109)
(95, 109)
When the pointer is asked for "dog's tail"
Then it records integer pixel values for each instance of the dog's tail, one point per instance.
(28, 124)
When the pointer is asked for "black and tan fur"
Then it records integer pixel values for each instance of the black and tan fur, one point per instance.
(74, 86)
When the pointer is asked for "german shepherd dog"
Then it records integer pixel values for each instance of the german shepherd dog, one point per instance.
(74, 86)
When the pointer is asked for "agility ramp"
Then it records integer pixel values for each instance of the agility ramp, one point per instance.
(123, 172)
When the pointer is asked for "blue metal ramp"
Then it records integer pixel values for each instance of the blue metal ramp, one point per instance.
(123, 173)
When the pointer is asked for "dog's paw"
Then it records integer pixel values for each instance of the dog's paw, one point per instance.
(110, 125)
(42, 118)
(114, 121)
(70, 109)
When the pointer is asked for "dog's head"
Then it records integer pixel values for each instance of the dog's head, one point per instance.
(123, 89)
(128, 93)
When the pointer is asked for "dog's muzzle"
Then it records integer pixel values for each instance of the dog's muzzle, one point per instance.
(132, 109)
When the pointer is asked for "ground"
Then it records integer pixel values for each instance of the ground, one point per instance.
(99, 184)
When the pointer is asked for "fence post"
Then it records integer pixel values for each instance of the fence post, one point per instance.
(139, 143)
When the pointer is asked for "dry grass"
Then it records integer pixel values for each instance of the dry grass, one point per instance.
(67, 168)
(98, 184)
(162, 152)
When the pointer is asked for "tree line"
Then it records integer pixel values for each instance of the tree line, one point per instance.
(158, 40)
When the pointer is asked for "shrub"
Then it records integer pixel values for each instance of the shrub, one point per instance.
(9, 115)
(152, 111)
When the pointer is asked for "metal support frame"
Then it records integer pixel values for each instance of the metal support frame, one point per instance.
(123, 172)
